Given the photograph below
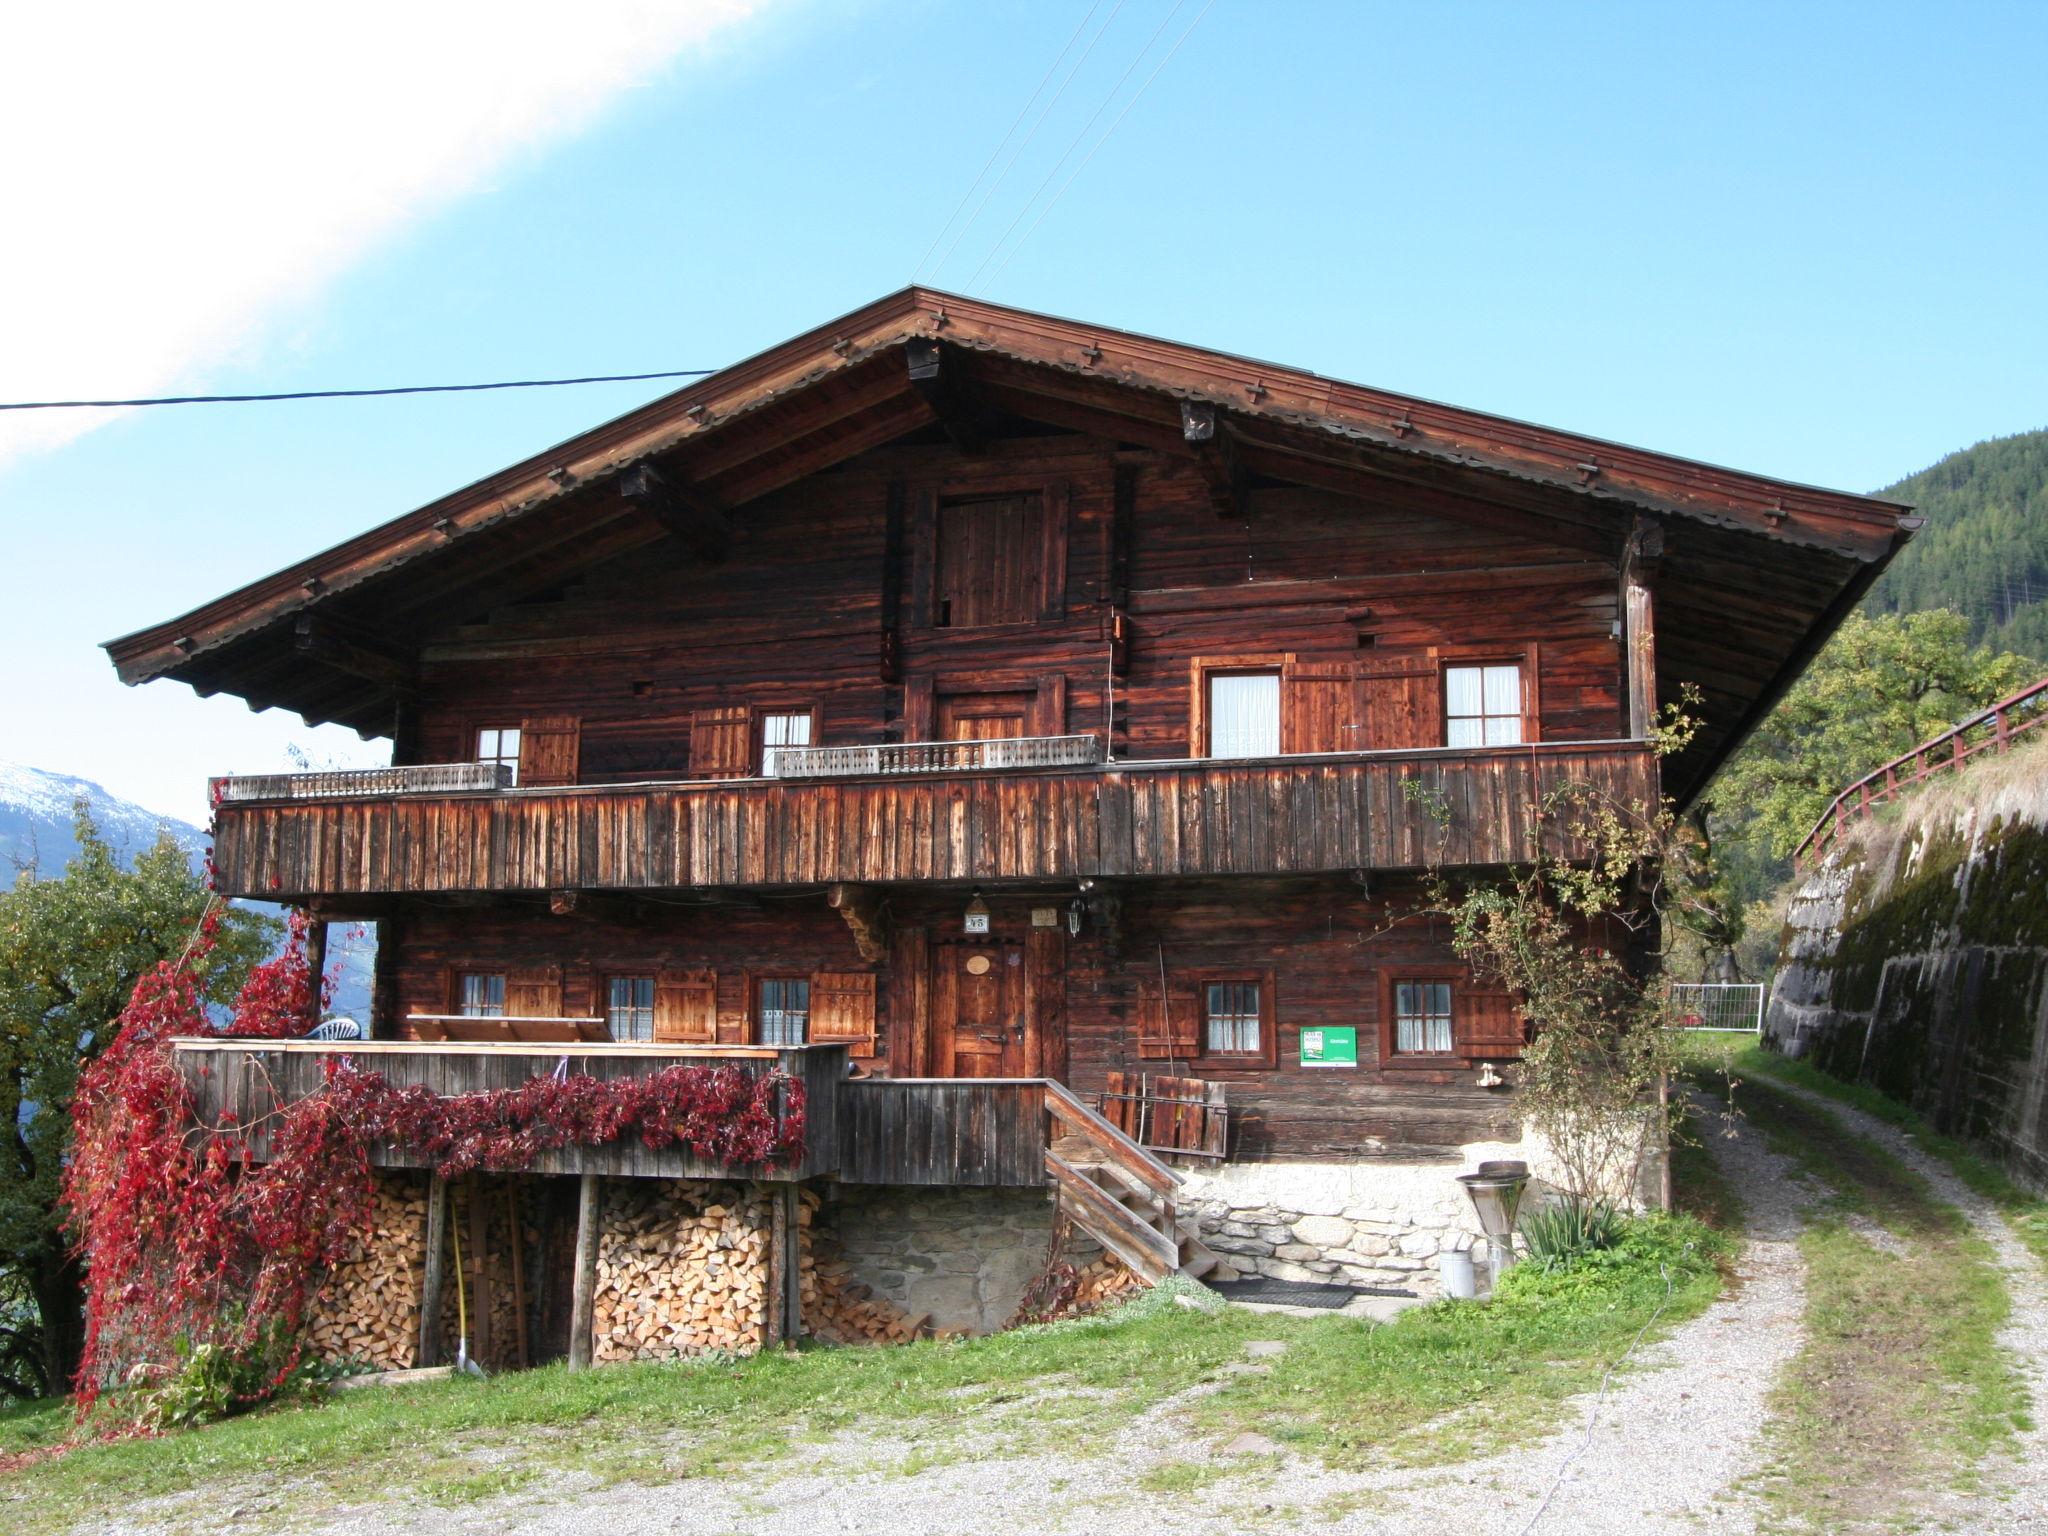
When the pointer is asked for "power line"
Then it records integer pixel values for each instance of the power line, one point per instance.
(1094, 6)
(1048, 208)
(350, 394)
(1075, 143)
(1011, 164)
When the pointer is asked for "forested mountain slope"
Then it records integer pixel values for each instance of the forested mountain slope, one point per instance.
(1984, 551)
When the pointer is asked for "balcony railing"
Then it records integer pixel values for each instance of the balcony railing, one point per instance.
(365, 783)
(936, 757)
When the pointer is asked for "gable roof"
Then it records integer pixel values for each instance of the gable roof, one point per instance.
(329, 636)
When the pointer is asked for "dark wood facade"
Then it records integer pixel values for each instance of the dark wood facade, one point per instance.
(945, 522)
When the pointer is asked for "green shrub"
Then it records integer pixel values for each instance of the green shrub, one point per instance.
(1567, 1229)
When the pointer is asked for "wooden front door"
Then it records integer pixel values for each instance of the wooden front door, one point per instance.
(978, 1010)
(983, 716)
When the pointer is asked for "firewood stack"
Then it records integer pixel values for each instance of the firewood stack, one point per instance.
(682, 1269)
(368, 1307)
(838, 1308)
(1106, 1280)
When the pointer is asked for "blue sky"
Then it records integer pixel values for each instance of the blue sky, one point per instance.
(1804, 240)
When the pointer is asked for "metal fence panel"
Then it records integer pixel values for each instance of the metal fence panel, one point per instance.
(1724, 1005)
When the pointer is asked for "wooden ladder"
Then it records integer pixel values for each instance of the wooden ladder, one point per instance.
(1120, 1194)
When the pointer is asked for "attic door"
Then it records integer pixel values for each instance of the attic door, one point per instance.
(988, 567)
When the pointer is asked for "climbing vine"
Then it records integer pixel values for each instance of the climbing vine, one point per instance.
(195, 1250)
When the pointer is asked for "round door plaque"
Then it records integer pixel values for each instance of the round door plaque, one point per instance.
(977, 965)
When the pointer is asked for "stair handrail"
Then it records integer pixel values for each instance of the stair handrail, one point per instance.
(1085, 1121)
(1925, 760)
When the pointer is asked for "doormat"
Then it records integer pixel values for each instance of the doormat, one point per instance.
(1298, 1293)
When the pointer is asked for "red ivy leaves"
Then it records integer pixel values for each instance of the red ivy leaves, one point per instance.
(184, 1237)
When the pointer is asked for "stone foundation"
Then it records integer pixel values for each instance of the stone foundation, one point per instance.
(963, 1257)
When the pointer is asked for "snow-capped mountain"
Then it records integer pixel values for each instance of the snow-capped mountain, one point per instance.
(37, 812)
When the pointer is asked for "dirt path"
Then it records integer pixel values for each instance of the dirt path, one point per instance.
(2015, 1495)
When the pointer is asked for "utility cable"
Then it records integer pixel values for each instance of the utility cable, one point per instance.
(1048, 208)
(1094, 6)
(1075, 143)
(1011, 163)
(349, 394)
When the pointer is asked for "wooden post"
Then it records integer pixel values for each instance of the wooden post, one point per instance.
(478, 1265)
(316, 965)
(518, 1241)
(774, 1323)
(583, 1296)
(792, 1263)
(430, 1278)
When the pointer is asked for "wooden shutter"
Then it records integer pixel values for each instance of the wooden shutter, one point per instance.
(843, 1010)
(1169, 1027)
(721, 743)
(1401, 704)
(1321, 708)
(534, 992)
(1486, 1024)
(686, 1007)
(548, 750)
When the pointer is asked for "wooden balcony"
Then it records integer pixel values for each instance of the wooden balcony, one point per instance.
(1203, 817)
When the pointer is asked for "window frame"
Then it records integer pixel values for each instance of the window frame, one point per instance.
(1267, 1055)
(476, 746)
(925, 501)
(755, 981)
(459, 1008)
(605, 982)
(757, 730)
(1202, 668)
(1526, 657)
(1391, 977)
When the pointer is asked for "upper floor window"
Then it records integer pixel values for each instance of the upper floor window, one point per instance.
(1483, 705)
(1230, 1018)
(499, 744)
(1244, 714)
(481, 996)
(989, 566)
(779, 730)
(782, 1009)
(1422, 1018)
(629, 1008)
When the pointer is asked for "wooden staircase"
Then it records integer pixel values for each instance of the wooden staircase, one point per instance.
(1120, 1194)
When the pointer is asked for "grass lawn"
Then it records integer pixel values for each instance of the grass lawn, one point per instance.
(1900, 1384)
(1344, 1390)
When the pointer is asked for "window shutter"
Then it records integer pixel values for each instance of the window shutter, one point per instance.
(1487, 1024)
(686, 1007)
(1401, 705)
(548, 750)
(1321, 708)
(534, 993)
(719, 743)
(843, 1010)
(1169, 1028)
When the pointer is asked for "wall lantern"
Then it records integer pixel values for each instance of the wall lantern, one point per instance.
(1074, 914)
(1496, 1191)
(977, 914)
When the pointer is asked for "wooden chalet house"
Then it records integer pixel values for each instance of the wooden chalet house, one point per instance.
(1019, 710)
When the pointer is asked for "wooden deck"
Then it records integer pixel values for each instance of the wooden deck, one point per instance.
(987, 1132)
(1131, 820)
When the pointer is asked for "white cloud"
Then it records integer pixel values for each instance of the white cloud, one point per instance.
(174, 174)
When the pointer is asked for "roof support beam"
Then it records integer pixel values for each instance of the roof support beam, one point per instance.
(938, 377)
(689, 512)
(348, 650)
(1203, 429)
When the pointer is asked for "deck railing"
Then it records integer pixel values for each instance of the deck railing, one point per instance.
(366, 783)
(1993, 731)
(936, 757)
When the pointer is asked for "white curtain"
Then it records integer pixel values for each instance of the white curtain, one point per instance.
(782, 731)
(1483, 706)
(1244, 715)
(1422, 1017)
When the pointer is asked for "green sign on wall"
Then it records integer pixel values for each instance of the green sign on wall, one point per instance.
(1329, 1047)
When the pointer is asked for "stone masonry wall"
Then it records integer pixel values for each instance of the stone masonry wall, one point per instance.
(963, 1256)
